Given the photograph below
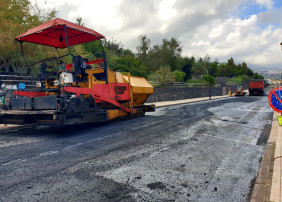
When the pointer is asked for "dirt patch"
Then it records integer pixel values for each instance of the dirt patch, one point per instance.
(262, 140)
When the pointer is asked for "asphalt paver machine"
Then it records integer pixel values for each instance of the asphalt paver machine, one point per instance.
(84, 91)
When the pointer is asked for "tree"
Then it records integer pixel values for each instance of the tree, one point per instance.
(92, 47)
(213, 68)
(128, 63)
(143, 49)
(199, 68)
(128, 52)
(79, 21)
(172, 49)
(168, 53)
(230, 63)
(144, 46)
(113, 46)
(17, 16)
(163, 75)
(187, 67)
(207, 60)
(257, 76)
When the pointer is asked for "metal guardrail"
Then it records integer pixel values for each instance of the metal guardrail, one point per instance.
(14, 80)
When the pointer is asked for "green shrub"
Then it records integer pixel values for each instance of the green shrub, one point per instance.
(179, 75)
(163, 75)
(208, 79)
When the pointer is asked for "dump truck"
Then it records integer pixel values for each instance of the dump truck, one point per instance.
(256, 88)
(85, 91)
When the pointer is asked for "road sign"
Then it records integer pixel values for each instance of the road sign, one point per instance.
(275, 99)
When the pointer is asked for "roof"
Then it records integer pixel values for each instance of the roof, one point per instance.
(52, 34)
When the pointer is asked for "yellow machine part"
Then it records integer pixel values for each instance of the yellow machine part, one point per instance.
(140, 87)
(119, 113)
(50, 84)
(116, 113)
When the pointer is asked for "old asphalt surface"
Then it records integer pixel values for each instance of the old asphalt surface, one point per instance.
(204, 151)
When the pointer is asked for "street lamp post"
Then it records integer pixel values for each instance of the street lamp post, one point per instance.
(209, 83)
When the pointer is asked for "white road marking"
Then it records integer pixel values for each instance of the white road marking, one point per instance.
(101, 138)
(92, 140)
(55, 152)
(48, 153)
(75, 145)
(15, 161)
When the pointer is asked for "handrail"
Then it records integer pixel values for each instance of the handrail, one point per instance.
(46, 60)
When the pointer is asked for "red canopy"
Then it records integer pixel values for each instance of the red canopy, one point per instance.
(52, 33)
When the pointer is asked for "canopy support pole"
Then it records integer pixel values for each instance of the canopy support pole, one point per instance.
(65, 28)
(59, 56)
(23, 53)
(105, 63)
(28, 70)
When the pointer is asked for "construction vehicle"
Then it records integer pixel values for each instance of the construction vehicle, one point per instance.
(85, 91)
(239, 91)
(256, 88)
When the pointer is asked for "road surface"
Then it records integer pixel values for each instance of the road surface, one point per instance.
(205, 151)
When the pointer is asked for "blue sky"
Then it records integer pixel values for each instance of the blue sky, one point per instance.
(247, 9)
(277, 3)
(247, 30)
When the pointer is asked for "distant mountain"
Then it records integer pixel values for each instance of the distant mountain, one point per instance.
(271, 74)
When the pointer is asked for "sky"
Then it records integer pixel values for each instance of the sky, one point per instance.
(247, 30)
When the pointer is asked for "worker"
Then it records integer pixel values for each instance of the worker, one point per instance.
(229, 91)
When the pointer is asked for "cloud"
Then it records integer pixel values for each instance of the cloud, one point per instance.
(273, 16)
(203, 27)
(240, 39)
(267, 3)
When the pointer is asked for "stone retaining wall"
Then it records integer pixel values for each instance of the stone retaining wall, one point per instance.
(178, 93)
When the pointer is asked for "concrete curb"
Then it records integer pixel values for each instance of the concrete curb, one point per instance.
(276, 194)
(8, 127)
(268, 182)
(176, 102)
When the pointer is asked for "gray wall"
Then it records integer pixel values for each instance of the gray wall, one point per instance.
(178, 93)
